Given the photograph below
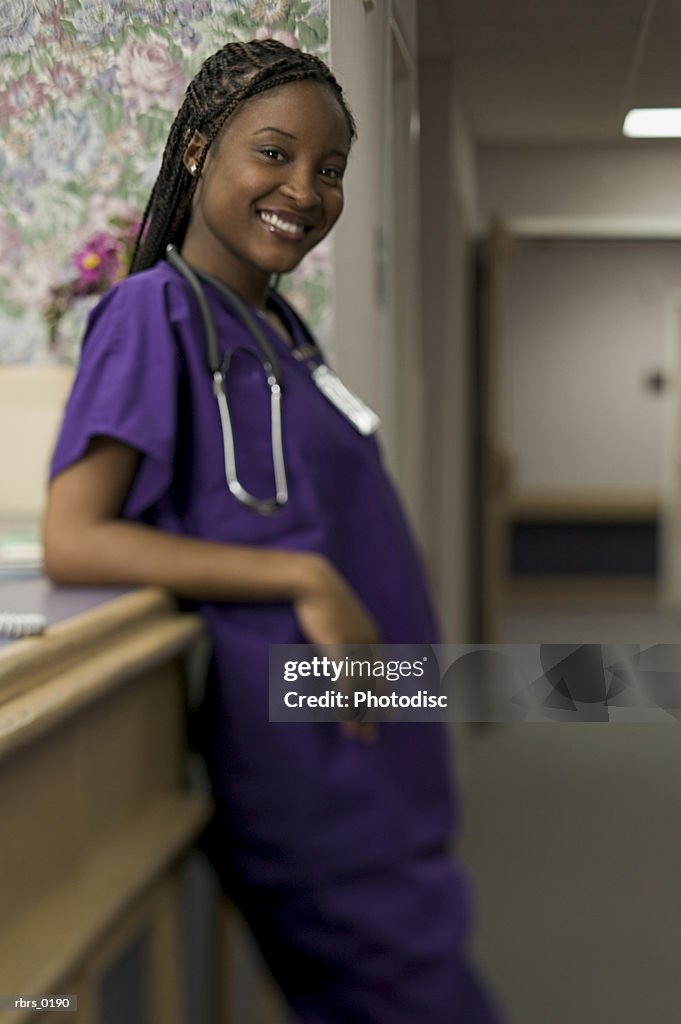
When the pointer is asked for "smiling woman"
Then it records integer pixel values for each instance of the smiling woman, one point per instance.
(331, 837)
(270, 188)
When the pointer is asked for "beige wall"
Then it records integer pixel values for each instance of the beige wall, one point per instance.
(402, 257)
(377, 286)
(448, 180)
(358, 53)
(31, 403)
(613, 185)
(585, 324)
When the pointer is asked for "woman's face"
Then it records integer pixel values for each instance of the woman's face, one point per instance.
(271, 187)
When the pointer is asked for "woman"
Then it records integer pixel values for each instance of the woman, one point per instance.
(332, 840)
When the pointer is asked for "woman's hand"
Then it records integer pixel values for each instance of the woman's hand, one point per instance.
(328, 610)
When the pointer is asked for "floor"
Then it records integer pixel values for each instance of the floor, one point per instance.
(572, 837)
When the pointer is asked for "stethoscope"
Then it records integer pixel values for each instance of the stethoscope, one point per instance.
(219, 368)
(362, 418)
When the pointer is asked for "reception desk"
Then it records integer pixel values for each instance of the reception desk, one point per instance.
(95, 811)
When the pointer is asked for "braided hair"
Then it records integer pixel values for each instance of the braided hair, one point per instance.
(235, 73)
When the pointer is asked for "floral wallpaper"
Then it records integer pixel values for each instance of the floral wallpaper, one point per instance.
(88, 89)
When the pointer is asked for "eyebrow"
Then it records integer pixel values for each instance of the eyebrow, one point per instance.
(270, 128)
(288, 135)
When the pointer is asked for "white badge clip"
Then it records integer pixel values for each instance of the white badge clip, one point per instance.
(353, 408)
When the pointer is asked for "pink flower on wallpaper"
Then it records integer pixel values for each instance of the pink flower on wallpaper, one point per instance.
(22, 97)
(98, 260)
(50, 30)
(147, 75)
(65, 79)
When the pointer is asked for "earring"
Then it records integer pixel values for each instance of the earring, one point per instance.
(193, 167)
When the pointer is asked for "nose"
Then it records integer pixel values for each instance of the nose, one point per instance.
(302, 187)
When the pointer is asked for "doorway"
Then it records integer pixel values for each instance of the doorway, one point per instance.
(578, 499)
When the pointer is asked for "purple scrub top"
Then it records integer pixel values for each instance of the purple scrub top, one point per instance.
(296, 800)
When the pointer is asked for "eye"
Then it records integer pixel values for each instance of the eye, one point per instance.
(273, 153)
(334, 174)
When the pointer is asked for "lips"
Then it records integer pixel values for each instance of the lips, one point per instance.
(285, 224)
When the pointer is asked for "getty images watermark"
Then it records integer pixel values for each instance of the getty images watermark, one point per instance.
(481, 683)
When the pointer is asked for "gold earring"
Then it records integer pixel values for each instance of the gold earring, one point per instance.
(193, 167)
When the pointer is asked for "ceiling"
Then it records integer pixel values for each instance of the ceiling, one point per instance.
(556, 71)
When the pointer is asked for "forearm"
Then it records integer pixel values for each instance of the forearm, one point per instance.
(116, 552)
(87, 542)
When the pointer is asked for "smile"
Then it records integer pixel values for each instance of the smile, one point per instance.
(275, 222)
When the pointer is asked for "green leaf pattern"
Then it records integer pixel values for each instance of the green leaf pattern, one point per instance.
(88, 89)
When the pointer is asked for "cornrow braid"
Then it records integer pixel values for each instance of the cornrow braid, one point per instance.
(234, 74)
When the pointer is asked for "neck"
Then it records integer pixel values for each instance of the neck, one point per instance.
(252, 287)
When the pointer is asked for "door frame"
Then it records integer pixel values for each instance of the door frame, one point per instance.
(494, 460)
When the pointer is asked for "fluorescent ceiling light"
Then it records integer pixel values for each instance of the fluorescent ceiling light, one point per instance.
(653, 123)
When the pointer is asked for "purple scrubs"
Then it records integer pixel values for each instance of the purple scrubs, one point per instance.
(320, 834)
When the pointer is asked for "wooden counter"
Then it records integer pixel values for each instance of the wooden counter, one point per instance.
(94, 809)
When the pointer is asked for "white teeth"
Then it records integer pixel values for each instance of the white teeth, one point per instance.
(280, 224)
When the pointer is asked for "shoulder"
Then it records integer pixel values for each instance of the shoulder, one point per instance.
(143, 309)
(160, 289)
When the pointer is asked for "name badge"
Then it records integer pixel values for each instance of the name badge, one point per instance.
(353, 408)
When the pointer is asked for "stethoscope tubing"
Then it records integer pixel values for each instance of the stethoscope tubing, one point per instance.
(218, 368)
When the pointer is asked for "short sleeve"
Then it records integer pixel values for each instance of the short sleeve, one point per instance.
(126, 388)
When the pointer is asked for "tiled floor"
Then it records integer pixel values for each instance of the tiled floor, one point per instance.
(572, 835)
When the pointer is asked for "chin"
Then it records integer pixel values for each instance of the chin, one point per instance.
(282, 260)
(284, 266)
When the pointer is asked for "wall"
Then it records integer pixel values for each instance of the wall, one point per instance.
(31, 403)
(419, 384)
(365, 351)
(358, 53)
(620, 185)
(585, 323)
(377, 313)
(448, 196)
